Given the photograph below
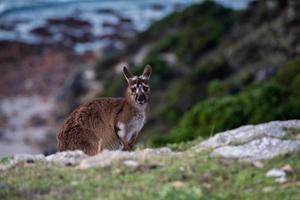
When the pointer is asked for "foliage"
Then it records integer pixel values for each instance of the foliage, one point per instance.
(202, 24)
(258, 104)
(185, 92)
(288, 73)
(273, 100)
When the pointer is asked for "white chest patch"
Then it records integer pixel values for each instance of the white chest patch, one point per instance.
(130, 130)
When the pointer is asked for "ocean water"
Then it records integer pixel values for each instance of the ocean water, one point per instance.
(19, 17)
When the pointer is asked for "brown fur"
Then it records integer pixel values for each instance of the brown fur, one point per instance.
(93, 126)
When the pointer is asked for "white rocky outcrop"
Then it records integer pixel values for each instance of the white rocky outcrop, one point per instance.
(252, 142)
(255, 142)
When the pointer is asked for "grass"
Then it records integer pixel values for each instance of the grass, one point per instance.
(188, 176)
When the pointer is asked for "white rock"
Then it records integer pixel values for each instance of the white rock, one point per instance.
(258, 164)
(248, 133)
(67, 158)
(106, 157)
(268, 189)
(281, 179)
(131, 164)
(287, 168)
(259, 149)
(275, 173)
(28, 158)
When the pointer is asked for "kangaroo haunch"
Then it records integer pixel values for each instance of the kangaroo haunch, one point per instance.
(108, 123)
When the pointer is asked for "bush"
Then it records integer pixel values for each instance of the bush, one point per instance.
(258, 104)
(191, 88)
(217, 88)
(167, 43)
(277, 99)
(191, 32)
(288, 73)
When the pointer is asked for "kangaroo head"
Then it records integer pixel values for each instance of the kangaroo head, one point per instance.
(138, 90)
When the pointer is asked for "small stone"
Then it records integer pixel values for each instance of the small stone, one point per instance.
(178, 184)
(207, 186)
(107, 158)
(5, 167)
(67, 158)
(249, 190)
(28, 158)
(258, 149)
(287, 168)
(258, 164)
(275, 173)
(131, 164)
(74, 183)
(181, 168)
(281, 179)
(268, 189)
(297, 137)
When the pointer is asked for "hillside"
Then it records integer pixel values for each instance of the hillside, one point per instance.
(210, 63)
(223, 118)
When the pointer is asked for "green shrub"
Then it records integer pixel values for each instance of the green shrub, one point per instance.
(191, 32)
(277, 99)
(287, 73)
(167, 43)
(296, 85)
(257, 104)
(192, 87)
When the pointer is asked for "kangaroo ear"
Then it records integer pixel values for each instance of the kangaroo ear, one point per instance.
(147, 71)
(127, 73)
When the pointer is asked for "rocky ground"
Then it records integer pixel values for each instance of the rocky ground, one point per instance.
(250, 162)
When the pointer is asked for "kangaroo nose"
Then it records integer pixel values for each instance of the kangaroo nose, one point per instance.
(141, 98)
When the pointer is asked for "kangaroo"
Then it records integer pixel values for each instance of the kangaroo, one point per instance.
(108, 123)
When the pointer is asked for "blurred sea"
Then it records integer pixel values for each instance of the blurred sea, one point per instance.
(18, 18)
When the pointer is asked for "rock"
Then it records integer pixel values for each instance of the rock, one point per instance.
(279, 174)
(131, 164)
(258, 164)
(287, 168)
(297, 137)
(281, 179)
(7, 27)
(41, 31)
(157, 6)
(69, 21)
(275, 173)
(38, 119)
(244, 134)
(253, 142)
(67, 158)
(268, 189)
(107, 11)
(28, 158)
(106, 157)
(178, 184)
(5, 167)
(264, 148)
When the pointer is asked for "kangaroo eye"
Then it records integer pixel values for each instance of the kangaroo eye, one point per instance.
(133, 89)
(145, 89)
